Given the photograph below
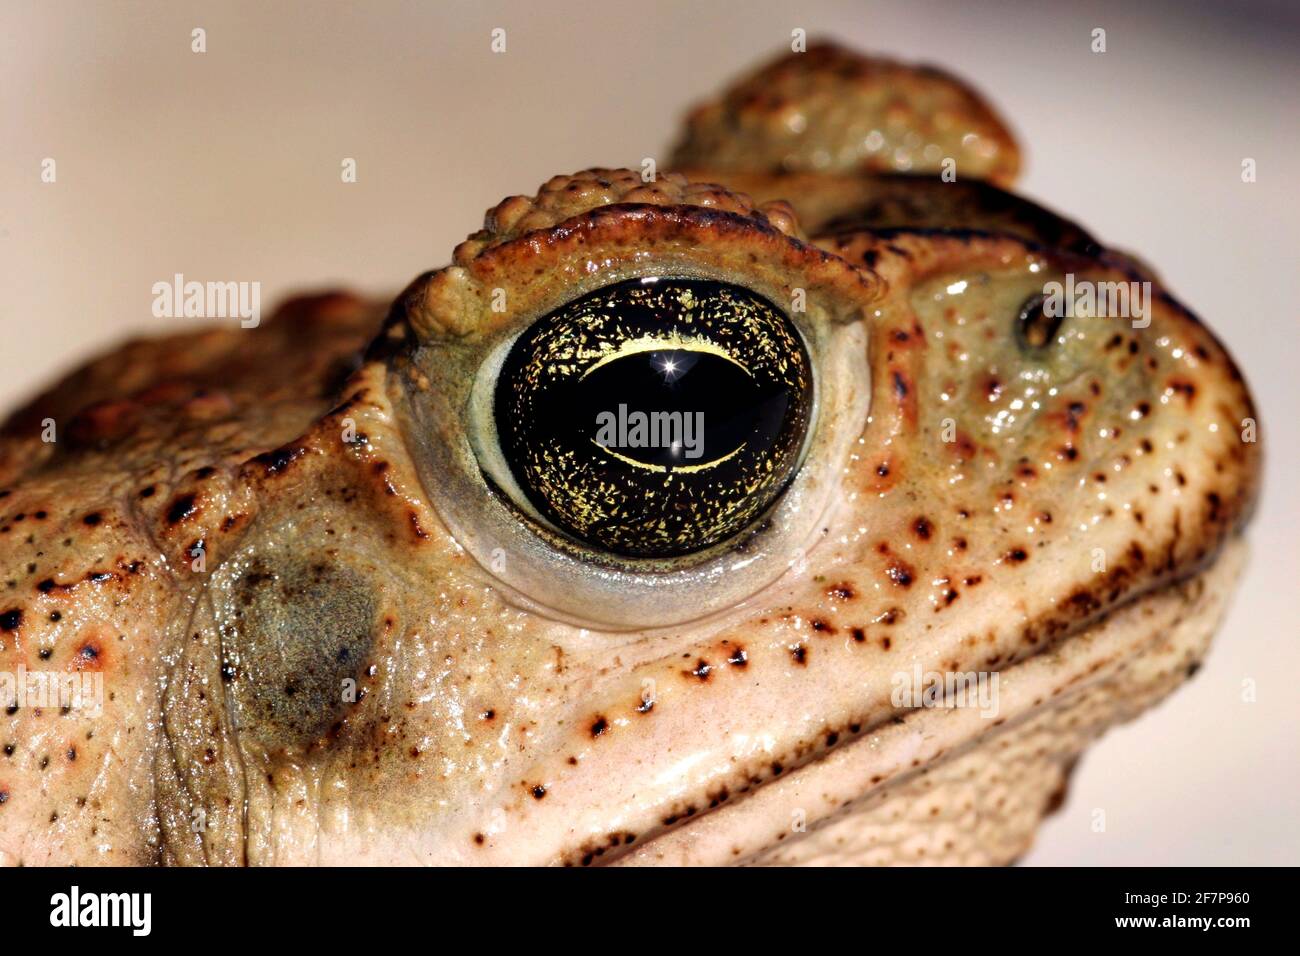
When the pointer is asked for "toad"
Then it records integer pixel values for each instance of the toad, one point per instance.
(444, 581)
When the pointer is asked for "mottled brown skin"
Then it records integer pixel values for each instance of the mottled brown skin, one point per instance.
(500, 714)
(831, 110)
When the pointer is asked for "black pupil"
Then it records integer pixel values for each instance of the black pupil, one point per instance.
(655, 418)
(676, 407)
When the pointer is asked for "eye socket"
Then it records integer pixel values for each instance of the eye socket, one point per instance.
(1036, 328)
(655, 417)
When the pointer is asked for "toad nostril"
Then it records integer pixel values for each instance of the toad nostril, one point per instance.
(1036, 326)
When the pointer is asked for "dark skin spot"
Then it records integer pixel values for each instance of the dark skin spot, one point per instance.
(800, 654)
(701, 670)
(1017, 555)
(147, 492)
(180, 509)
(738, 658)
(963, 448)
(886, 643)
(900, 573)
(859, 634)
(840, 592)
(599, 726)
(488, 714)
(92, 519)
(88, 656)
(11, 619)
(900, 385)
(821, 626)
(276, 461)
(1084, 602)
(923, 528)
(539, 792)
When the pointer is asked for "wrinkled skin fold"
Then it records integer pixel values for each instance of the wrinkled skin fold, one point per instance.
(322, 636)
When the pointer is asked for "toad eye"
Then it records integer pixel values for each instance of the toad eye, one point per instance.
(656, 417)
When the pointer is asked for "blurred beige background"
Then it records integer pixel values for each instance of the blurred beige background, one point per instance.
(226, 165)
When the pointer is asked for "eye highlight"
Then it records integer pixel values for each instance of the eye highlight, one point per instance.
(655, 417)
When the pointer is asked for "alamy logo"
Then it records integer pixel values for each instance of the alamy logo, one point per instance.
(179, 299)
(682, 432)
(103, 909)
(80, 691)
(1107, 300)
(918, 688)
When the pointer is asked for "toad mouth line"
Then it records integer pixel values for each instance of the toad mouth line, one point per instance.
(896, 752)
